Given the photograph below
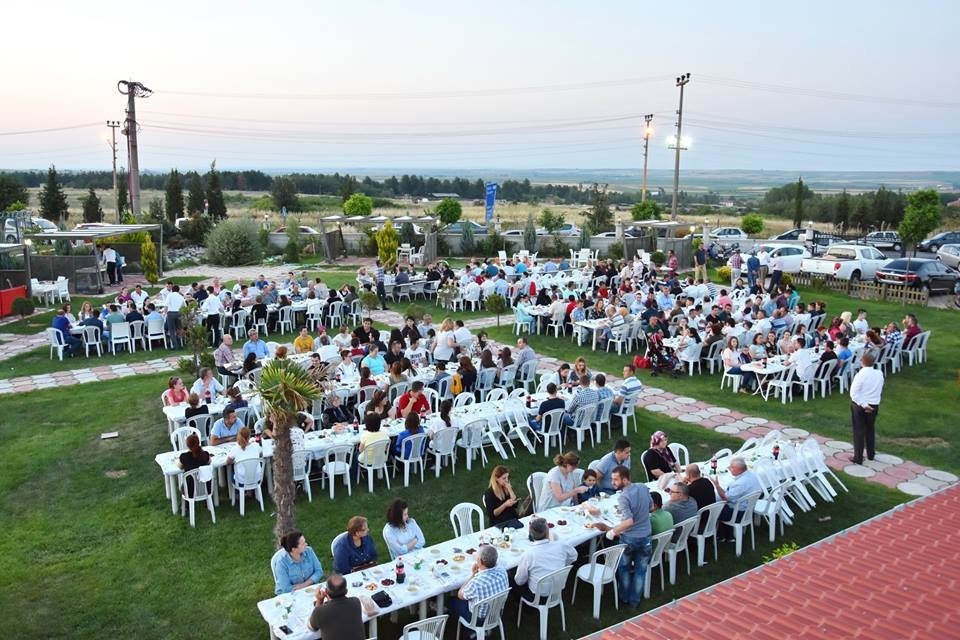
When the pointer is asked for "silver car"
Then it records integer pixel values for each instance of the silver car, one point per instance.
(949, 254)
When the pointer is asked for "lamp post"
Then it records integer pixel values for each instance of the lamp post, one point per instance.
(27, 243)
(647, 133)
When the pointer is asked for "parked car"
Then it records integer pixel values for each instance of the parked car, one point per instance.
(512, 233)
(278, 237)
(791, 254)
(846, 262)
(628, 233)
(821, 239)
(918, 273)
(934, 243)
(457, 227)
(40, 225)
(729, 236)
(567, 229)
(949, 254)
(884, 240)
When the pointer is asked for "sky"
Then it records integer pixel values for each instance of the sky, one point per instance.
(831, 86)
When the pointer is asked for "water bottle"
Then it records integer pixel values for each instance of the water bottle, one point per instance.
(713, 467)
(401, 575)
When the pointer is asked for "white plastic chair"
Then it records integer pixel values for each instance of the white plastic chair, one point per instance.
(461, 518)
(682, 531)
(551, 424)
(582, 423)
(91, 339)
(601, 570)
(745, 507)
(202, 424)
(302, 464)
(485, 379)
(733, 378)
(712, 512)
(486, 615)
(471, 440)
(201, 493)
(63, 288)
(178, 439)
(427, 629)
(444, 446)
(120, 335)
(411, 456)
(55, 337)
(692, 358)
(252, 481)
(771, 508)
(496, 395)
(337, 462)
(155, 331)
(285, 321)
(376, 460)
(535, 486)
(602, 417)
(551, 586)
(336, 540)
(239, 324)
(526, 375)
(464, 398)
(680, 453)
(137, 335)
(626, 411)
(658, 545)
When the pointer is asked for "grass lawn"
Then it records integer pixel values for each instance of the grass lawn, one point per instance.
(919, 403)
(87, 553)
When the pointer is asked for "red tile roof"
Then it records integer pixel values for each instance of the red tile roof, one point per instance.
(894, 576)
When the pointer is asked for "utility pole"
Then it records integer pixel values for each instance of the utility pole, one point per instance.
(113, 124)
(647, 132)
(681, 82)
(133, 90)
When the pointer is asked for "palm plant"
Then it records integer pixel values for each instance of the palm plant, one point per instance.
(286, 388)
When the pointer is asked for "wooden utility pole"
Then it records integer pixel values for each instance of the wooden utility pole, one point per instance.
(647, 132)
(133, 90)
(681, 82)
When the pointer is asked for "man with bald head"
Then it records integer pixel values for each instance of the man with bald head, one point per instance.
(337, 616)
(701, 489)
(744, 483)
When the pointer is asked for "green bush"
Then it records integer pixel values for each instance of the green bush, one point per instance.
(233, 243)
(785, 279)
(263, 236)
(530, 239)
(387, 243)
(658, 258)
(291, 253)
(407, 233)
(496, 304)
(615, 250)
(696, 243)
(196, 228)
(368, 243)
(415, 311)
(358, 205)
(493, 243)
(443, 247)
(751, 223)
(148, 261)
(369, 300)
(23, 307)
(783, 550)
(467, 243)
(724, 273)
(448, 210)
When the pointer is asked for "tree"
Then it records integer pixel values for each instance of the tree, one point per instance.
(408, 235)
(285, 388)
(216, 206)
(921, 216)
(752, 223)
(358, 204)
(148, 260)
(291, 253)
(448, 211)
(600, 217)
(283, 190)
(92, 211)
(347, 188)
(841, 213)
(550, 221)
(496, 305)
(861, 214)
(798, 205)
(530, 235)
(173, 198)
(387, 243)
(155, 209)
(647, 210)
(53, 201)
(467, 243)
(12, 190)
(123, 195)
(195, 195)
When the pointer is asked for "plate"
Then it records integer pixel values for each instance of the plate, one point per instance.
(387, 582)
(310, 590)
(459, 557)
(504, 545)
(413, 588)
(371, 587)
(588, 525)
(435, 551)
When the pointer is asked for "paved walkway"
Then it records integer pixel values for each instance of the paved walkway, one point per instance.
(87, 374)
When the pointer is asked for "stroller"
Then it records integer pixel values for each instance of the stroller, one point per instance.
(660, 360)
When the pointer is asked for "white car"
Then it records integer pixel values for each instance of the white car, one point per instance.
(791, 254)
(728, 236)
(40, 225)
(566, 229)
(278, 237)
(852, 262)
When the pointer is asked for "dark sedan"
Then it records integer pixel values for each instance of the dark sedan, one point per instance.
(919, 273)
(934, 243)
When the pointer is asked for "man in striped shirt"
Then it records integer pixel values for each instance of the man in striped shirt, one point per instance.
(381, 292)
(581, 398)
(631, 385)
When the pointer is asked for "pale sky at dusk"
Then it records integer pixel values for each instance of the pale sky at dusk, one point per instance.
(414, 85)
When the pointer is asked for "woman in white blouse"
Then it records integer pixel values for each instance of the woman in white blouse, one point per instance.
(242, 450)
(402, 533)
(347, 369)
(445, 342)
(559, 487)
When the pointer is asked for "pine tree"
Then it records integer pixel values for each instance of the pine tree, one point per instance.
(53, 201)
(798, 205)
(92, 211)
(195, 195)
(173, 199)
(841, 214)
(216, 206)
(123, 195)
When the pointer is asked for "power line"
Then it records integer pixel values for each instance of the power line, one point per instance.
(52, 129)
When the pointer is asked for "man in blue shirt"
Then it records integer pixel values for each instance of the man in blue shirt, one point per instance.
(634, 531)
(753, 269)
(255, 346)
(744, 483)
(520, 269)
(564, 265)
(60, 322)
(631, 385)
(500, 287)
(620, 456)
(226, 428)
(550, 267)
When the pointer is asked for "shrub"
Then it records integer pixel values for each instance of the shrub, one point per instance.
(584, 242)
(696, 243)
(369, 301)
(448, 210)
(234, 242)
(724, 273)
(530, 239)
(785, 279)
(387, 243)
(368, 243)
(658, 258)
(493, 243)
(467, 243)
(263, 236)
(148, 261)
(416, 311)
(291, 253)
(496, 304)
(23, 307)
(443, 247)
(782, 550)
(647, 210)
(752, 223)
(196, 228)
(358, 205)
(615, 250)
(407, 234)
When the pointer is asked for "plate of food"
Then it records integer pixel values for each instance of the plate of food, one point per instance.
(413, 588)
(471, 551)
(551, 525)
(588, 525)
(387, 582)
(442, 561)
(435, 551)
(376, 572)
(504, 545)
(459, 557)
(561, 523)
(371, 587)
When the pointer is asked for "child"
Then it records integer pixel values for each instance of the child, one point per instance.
(589, 481)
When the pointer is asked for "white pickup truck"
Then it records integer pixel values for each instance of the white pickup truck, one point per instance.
(845, 262)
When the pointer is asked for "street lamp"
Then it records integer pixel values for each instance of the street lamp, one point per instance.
(684, 142)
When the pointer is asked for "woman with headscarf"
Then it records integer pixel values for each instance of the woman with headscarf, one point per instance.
(658, 459)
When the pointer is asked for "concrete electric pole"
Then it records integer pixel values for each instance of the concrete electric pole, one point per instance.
(647, 132)
(133, 90)
(681, 82)
(113, 124)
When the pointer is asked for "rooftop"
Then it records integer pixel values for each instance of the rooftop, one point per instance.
(894, 576)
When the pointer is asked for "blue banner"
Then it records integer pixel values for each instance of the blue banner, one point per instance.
(491, 199)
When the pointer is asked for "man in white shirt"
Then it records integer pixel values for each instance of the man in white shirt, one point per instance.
(487, 287)
(472, 291)
(173, 303)
(865, 392)
(860, 324)
(416, 354)
(110, 257)
(463, 336)
(139, 296)
(541, 558)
